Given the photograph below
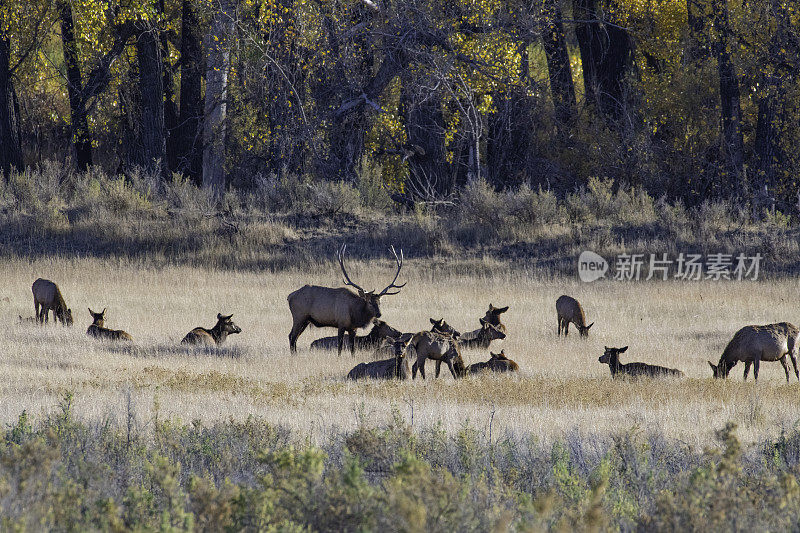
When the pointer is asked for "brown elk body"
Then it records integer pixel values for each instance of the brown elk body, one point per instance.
(492, 316)
(440, 348)
(498, 363)
(611, 358)
(214, 336)
(47, 296)
(437, 326)
(337, 307)
(380, 331)
(753, 344)
(98, 330)
(396, 367)
(481, 338)
(569, 310)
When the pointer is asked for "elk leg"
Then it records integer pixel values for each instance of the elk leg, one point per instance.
(36, 306)
(438, 367)
(785, 367)
(756, 364)
(566, 327)
(794, 364)
(297, 330)
(46, 313)
(746, 369)
(559, 326)
(340, 340)
(452, 370)
(418, 364)
(352, 338)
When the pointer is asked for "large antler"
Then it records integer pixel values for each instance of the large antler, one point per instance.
(399, 261)
(347, 280)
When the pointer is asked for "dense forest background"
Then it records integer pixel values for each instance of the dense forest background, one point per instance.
(688, 99)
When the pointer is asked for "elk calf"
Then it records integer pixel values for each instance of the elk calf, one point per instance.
(99, 331)
(492, 316)
(380, 331)
(47, 296)
(498, 363)
(214, 336)
(569, 310)
(440, 348)
(611, 358)
(481, 338)
(395, 367)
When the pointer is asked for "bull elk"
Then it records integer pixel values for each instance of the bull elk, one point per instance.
(753, 344)
(611, 358)
(569, 310)
(339, 307)
(214, 336)
(497, 363)
(99, 331)
(47, 296)
(379, 332)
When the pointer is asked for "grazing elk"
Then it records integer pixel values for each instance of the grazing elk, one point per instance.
(611, 358)
(753, 344)
(338, 307)
(481, 338)
(440, 348)
(380, 331)
(498, 363)
(569, 310)
(214, 336)
(98, 329)
(396, 367)
(47, 296)
(492, 316)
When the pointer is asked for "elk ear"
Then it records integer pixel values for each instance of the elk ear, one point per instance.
(500, 310)
(219, 316)
(102, 313)
(590, 325)
(90, 311)
(624, 348)
(713, 366)
(434, 322)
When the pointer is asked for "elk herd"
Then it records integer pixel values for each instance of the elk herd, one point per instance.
(393, 350)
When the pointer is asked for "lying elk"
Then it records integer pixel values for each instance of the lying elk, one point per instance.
(492, 316)
(214, 336)
(379, 332)
(611, 358)
(498, 363)
(338, 308)
(396, 367)
(440, 348)
(47, 296)
(98, 329)
(481, 338)
(753, 344)
(569, 310)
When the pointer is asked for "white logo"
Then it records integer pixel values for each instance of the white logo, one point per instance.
(591, 266)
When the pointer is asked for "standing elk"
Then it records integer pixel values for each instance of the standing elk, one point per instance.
(492, 316)
(380, 331)
(214, 336)
(753, 344)
(440, 348)
(611, 358)
(396, 367)
(338, 308)
(498, 363)
(47, 296)
(569, 310)
(98, 329)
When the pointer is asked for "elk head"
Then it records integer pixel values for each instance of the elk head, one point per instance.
(371, 299)
(98, 318)
(226, 325)
(584, 330)
(720, 371)
(440, 326)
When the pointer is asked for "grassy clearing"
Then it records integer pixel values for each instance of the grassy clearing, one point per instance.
(561, 388)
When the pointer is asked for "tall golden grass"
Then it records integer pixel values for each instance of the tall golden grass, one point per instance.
(561, 387)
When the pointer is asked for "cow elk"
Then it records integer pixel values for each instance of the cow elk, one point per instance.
(214, 336)
(492, 316)
(47, 296)
(396, 367)
(481, 338)
(440, 326)
(611, 358)
(99, 331)
(753, 344)
(569, 310)
(440, 348)
(338, 308)
(379, 332)
(498, 363)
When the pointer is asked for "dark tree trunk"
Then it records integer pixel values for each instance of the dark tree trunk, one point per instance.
(425, 150)
(10, 146)
(605, 55)
(188, 136)
(80, 127)
(730, 105)
(697, 48)
(562, 88)
(170, 107)
(153, 140)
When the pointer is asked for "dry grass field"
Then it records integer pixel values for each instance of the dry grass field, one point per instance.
(561, 388)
